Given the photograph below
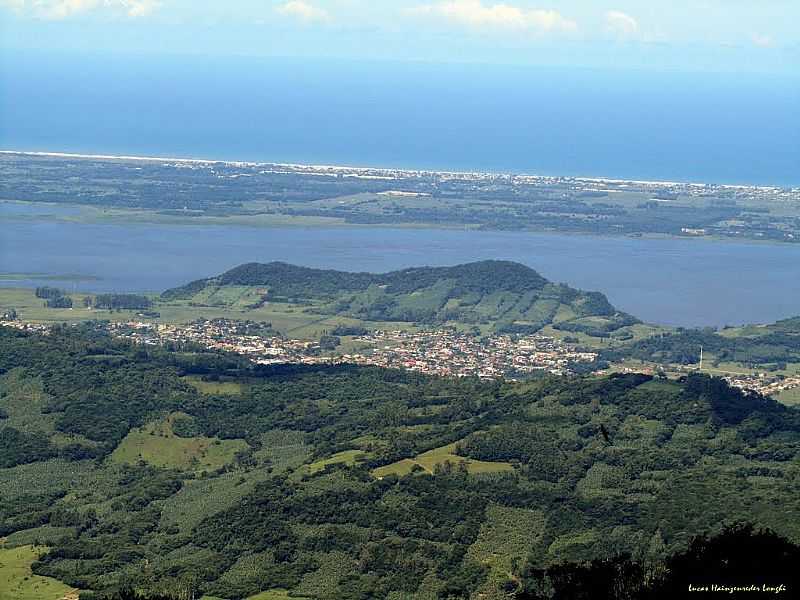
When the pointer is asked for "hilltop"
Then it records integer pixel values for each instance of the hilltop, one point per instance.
(508, 296)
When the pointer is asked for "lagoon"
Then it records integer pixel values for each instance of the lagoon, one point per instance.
(684, 282)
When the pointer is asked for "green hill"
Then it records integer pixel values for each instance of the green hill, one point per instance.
(345, 483)
(508, 296)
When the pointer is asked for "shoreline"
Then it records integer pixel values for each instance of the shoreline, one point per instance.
(361, 169)
(147, 216)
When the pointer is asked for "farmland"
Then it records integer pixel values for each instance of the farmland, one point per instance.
(157, 444)
(18, 583)
(437, 458)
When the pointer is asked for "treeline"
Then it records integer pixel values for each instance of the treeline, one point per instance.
(54, 297)
(121, 301)
(740, 561)
(46, 292)
(736, 560)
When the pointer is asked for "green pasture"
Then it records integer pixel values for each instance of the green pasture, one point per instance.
(438, 456)
(156, 444)
(217, 388)
(347, 457)
(789, 397)
(18, 583)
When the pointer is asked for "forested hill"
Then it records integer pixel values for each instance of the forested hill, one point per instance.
(508, 295)
(194, 473)
(294, 281)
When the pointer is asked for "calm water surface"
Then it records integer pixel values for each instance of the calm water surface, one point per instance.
(676, 282)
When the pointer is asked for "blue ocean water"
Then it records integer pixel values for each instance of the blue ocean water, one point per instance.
(724, 128)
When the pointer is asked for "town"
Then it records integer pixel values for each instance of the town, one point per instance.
(444, 352)
(433, 352)
(450, 353)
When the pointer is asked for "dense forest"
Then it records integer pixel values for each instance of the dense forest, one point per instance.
(509, 296)
(187, 472)
(726, 563)
(304, 282)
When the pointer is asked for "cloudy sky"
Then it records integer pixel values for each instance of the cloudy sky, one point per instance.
(712, 35)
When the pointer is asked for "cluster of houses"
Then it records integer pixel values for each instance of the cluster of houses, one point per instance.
(763, 383)
(224, 335)
(450, 353)
(439, 352)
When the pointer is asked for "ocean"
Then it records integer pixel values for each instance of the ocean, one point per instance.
(722, 128)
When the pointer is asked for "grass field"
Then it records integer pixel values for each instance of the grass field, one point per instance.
(428, 461)
(638, 332)
(789, 397)
(300, 322)
(157, 445)
(220, 388)
(348, 457)
(18, 583)
(276, 594)
(731, 368)
(31, 308)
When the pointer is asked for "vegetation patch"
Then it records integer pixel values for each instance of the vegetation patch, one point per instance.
(437, 459)
(222, 388)
(506, 296)
(508, 535)
(275, 594)
(347, 457)
(17, 582)
(789, 397)
(157, 445)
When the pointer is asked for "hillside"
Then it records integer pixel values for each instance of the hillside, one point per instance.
(202, 473)
(774, 345)
(507, 296)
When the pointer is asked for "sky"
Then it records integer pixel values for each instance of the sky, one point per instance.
(760, 36)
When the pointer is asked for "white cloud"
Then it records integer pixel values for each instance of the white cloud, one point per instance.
(63, 9)
(15, 5)
(621, 24)
(303, 11)
(473, 13)
(761, 40)
(141, 8)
